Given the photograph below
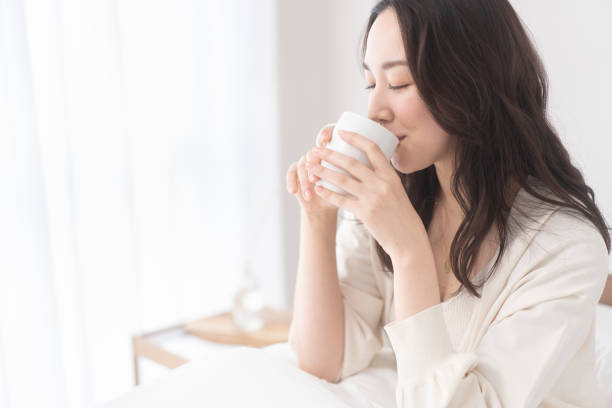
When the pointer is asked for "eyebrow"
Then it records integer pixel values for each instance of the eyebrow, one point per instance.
(385, 66)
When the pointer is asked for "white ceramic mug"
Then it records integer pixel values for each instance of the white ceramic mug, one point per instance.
(370, 129)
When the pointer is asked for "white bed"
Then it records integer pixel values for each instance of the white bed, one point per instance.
(269, 377)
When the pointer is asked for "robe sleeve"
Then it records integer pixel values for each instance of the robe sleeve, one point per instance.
(363, 303)
(542, 324)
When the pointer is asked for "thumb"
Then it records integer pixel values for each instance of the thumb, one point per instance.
(326, 134)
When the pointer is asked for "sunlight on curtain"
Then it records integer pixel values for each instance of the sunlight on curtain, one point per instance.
(139, 164)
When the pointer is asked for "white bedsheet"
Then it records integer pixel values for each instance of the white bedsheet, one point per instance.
(269, 377)
(239, 377)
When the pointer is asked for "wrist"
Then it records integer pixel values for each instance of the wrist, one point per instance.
(419, 247)
(325, 216)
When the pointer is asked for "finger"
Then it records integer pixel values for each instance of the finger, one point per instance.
(346, 202)
(325, 134)
(304, 184)
(351, 165)
(292, 178)
(345, 182)
(311, 159)
(372, 150)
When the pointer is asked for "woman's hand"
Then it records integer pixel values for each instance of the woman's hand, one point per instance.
(302, 186)
(378, 197)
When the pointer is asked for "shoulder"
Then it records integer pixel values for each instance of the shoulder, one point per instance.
(566, 254)
(559, 226)
(541, 222)
(352, 236)
(347, 216)
(351, 230)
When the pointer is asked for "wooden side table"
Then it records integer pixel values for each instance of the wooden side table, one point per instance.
(219, 329)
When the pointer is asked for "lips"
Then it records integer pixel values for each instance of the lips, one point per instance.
(400, 138)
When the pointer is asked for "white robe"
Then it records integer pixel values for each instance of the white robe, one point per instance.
(527, 342)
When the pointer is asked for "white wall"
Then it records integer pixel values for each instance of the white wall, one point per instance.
(319, 78)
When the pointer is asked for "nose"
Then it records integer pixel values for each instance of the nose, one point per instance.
(378, 109)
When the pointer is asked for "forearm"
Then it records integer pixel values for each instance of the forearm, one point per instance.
(415, 281)
(318, 305)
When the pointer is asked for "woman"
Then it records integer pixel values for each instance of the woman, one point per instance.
(478, 249)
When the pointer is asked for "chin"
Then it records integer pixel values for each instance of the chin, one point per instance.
(400, 165)
(403, 169)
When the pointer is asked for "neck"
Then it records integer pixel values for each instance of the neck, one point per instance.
(448, 205)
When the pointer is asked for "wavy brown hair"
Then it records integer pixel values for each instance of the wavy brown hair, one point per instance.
(484, 83)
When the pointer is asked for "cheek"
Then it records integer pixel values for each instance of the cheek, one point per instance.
(411, 110)
(426, 142)
(417, 119)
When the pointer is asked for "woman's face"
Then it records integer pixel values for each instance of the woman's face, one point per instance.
(400, 110)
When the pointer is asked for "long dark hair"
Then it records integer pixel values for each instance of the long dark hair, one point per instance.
(484, 83)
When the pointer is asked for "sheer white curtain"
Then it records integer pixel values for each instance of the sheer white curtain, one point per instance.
(139, 170)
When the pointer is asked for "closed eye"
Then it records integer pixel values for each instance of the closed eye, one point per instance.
(390, 87)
